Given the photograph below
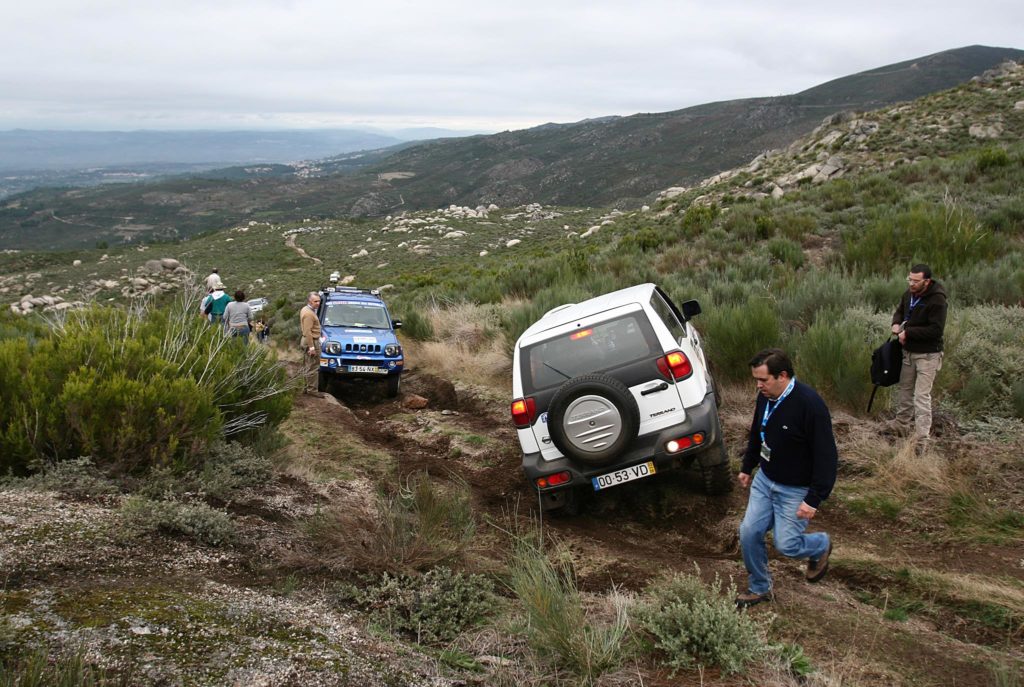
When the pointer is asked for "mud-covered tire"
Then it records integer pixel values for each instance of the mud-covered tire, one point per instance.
(593, 418)
(323, 380)
(715, 471)
(394, 384)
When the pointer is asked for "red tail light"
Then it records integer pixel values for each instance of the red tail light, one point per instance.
(524, 410)
(675, 365)
(553, 480)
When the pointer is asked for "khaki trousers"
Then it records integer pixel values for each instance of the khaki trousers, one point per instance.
(310, 365)
(915, 400)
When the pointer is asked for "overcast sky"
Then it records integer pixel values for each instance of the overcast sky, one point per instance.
(459, 64)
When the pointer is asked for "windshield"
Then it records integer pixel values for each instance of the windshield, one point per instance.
(600, 347)
(354, 314)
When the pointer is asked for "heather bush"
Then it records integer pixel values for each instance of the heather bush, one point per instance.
(141, 516)
(834, 355)
(432, 608)
(133, 389)
(78, 478)
(693, 624)
(991, 283)
(416, 326)
(229, 467)
(734, 333)
(786, 251)
(983, 361)
(947, 237)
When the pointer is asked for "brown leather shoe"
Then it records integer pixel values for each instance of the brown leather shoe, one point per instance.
(816, 569)
(748, 599)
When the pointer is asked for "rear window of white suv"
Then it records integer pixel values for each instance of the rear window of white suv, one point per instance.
(603, 346)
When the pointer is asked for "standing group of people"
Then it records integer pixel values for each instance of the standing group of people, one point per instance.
(793, 448)
(234, 315)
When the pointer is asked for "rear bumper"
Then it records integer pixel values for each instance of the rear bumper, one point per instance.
(701, 418)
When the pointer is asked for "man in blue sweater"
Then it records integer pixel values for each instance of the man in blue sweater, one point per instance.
(791, 441)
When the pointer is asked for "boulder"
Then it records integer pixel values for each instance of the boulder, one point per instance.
(512, 242)
(169, 263)
(153, 266)
(76, 263)
(414, 402)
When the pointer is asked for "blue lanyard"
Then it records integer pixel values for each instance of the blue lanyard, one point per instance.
(913, 304)
(769, 409)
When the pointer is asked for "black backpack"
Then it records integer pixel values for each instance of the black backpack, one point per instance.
(886, 363)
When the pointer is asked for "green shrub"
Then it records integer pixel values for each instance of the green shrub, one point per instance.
(698, 218)
(132, 389)
(141, 516)
(989, 158)
(834, 355)
(432, 608)
(983, 360)
(991, 283)
(946, 237)
(695, 624)
(787, 252)
(417, 326)
(734, 333)
(558, 625)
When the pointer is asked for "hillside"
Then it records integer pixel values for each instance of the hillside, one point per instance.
(620, 161)
(806, 247)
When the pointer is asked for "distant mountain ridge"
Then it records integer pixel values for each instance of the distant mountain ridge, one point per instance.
(617, 161)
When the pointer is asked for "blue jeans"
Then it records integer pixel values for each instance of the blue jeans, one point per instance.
(772, 506)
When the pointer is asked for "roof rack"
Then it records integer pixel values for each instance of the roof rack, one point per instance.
(350, 289)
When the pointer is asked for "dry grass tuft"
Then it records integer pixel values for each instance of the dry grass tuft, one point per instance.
(469, 345)
(417, 527)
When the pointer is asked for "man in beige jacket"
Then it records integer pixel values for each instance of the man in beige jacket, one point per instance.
(310, 342)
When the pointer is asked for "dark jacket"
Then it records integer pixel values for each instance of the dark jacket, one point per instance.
(799, 433)
(927, 319)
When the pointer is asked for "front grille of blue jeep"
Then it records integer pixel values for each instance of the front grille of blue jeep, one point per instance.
(362, 348)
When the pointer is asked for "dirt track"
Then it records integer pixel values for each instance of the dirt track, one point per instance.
(628, 535)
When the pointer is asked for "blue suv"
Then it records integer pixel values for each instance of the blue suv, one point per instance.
(359, 339)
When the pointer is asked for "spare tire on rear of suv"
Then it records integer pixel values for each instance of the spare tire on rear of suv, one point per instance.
(593, 418)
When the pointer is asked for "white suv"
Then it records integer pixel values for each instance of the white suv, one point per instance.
(612, 390)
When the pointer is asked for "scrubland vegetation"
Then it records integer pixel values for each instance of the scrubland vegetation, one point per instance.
(147, 411)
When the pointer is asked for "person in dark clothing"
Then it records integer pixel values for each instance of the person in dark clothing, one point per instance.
(920, 322)
(791, 441)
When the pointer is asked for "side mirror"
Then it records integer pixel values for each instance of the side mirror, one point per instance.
(691, 309)
(397, 324)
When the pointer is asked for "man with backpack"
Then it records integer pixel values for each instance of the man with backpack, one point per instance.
(919, 322)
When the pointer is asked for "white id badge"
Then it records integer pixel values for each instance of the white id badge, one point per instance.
(766, 453)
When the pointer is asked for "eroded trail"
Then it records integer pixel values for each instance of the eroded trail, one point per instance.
(625, 537)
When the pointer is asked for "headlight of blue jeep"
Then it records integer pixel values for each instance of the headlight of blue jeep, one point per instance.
(332, 347)
(391, 350)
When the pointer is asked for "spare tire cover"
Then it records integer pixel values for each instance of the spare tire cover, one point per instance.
(593, 418)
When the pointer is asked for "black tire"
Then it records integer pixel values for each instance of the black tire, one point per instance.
(715, 471)
(394, 384)
(578, 406)
(323, 380)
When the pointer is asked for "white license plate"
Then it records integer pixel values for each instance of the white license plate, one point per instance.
(372, 369)
(614, 479)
